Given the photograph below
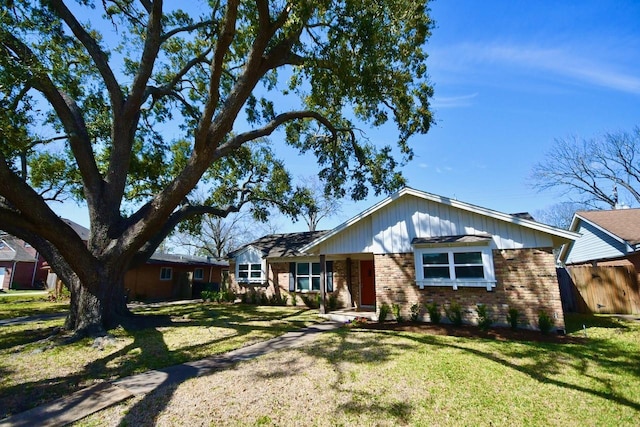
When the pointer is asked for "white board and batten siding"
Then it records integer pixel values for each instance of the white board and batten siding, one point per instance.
(595, 244)
(391, 228)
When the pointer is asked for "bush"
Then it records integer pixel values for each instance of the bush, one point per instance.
(396, 312)
(484, 319)
(454, 313)
(278, 299)
(415, 312)
(545, 322)
(294, 300)
(333, 302)
(311, 301)
(384, 312)
(512, 318)
(434, 312)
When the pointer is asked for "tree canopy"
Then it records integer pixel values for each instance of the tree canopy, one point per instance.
(131, 106)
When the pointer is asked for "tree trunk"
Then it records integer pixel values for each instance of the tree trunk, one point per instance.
(98, 307)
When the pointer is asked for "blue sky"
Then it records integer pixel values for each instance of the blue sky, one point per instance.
(509, 77)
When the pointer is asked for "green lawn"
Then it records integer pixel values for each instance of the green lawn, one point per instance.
(35, 367)
(29, 303)
(347, 377)
(362, 377)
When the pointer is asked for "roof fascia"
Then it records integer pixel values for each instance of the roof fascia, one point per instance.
(564, 234)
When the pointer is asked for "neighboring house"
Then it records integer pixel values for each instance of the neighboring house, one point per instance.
(415, 248)
(164, 276)
(171, 276)
(608, 238)
(21, 266)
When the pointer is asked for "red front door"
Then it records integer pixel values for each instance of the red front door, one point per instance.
(367, 283)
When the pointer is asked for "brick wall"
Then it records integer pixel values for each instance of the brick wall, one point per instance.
(526, 280)
(278, 282)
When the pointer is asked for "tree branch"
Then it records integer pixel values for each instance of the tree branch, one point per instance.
(97, 54)
(67, 111)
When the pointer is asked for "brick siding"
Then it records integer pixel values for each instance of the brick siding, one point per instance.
(526, 280)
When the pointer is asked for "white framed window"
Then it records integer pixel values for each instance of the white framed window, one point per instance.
(166, 273)
(250, 273)
(305, 276)
(198, 274)
(455, 266)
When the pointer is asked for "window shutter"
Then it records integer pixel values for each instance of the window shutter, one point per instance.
(292, 277)
(329, 273)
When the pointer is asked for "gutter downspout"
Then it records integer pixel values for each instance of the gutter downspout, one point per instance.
(13, 272)
(35, 267)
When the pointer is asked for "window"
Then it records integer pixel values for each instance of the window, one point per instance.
(166, 273)
(251, 273)
(457, 266)
(305, 276)
(198, 274)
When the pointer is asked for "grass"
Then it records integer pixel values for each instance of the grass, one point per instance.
(37, 365)
(346, 377)
(29, 303)
(385, 378)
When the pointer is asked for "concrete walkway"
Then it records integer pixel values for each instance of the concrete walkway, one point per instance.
(84, 402)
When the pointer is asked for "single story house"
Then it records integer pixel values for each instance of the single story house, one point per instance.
(415, 248)
(608, 238)
(21, 266)
(163, 276)
(171, 276)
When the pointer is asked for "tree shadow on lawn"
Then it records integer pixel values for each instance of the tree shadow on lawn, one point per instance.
(147, 337)
(540, 359)
(548, 359)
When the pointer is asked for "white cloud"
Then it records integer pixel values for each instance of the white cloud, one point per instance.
(453, 101)
(594, 67)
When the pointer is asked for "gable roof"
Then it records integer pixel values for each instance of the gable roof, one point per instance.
(80, 230)
(13, 250)
(621, 223)
(518, 219)
(281, 245)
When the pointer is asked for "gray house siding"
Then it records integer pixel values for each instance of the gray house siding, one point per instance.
(595, 244)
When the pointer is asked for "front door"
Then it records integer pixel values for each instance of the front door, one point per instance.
(367, 283)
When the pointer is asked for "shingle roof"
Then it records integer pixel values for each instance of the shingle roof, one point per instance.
(624, 223)
(14, 250)
(464, 238)
(162, 258)
(282, 245)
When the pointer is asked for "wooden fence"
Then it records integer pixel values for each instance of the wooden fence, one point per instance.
(610, 289)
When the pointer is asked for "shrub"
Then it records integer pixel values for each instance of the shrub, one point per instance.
(454, 313)
(545, 322)
(415, 312)
(434, 312)
(484, 319)
(512, 318)
(294, 300)
(278, 299)
(264, 299)
(228, 296)
(311, 301)
(333, 302)
(254, 298)
(384, 312)
(395, 308)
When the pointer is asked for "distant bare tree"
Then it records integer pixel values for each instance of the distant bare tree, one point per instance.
(594, 169)
(321, 205)
(215, 237)
(560, 214)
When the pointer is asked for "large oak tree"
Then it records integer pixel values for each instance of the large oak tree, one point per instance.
(130, 106)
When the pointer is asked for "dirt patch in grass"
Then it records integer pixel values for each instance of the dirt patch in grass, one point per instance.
(469, 331)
